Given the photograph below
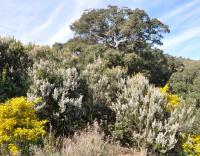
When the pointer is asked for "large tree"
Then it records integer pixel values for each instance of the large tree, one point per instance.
(116, 26)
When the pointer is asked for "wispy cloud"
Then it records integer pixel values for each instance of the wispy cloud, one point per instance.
(38, 29)
(187, 16)
(179, 10)
(179, 39)
(64, 32)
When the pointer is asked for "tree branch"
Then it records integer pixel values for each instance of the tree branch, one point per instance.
(102, 39)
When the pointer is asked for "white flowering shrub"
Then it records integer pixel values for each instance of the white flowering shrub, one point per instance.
(59, 89)
(142, 118)
(103, 86)
(103, 81)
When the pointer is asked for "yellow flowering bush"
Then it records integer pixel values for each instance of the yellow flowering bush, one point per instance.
(192, 146)
(19, 124)
(173, 99)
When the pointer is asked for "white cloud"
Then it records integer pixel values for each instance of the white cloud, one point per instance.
(178, 40)
(187, 16)
(38, 29)
(179, 10)
(64, 32)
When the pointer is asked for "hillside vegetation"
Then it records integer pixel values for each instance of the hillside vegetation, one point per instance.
(107, 91)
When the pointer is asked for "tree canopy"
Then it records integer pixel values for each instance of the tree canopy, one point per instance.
(116, 26)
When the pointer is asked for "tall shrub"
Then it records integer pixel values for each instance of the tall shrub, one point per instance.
(14, 63)
(142, 118)
(60, 90)
(102, 83)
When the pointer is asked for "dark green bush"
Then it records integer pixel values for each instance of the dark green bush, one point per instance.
(14, 63)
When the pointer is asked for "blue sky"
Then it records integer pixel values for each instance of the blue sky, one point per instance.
(47, 21)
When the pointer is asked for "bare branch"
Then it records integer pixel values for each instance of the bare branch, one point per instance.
(118, 42)
(115, 40)
(97, 36)
(102, 39)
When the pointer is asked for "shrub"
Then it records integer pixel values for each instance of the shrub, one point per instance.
(112, 57)
(142, 118)
(134, 63)
(190, 143)
(19, 125)
(37, 52)
(60, 91)
(173, 99)
(185, 83)
(14, 63)
(192, 146)
(103, 86)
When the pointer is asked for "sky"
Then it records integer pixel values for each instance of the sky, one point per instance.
(45, 22)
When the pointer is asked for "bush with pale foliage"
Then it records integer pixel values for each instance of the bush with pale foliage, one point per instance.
(102, 84)
(142, 118)
(59, 88)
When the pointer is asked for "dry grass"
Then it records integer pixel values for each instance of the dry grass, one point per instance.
(85, 143)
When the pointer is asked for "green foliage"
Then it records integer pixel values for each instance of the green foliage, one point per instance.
(76, 45)
(151, 62)
(91, 53)
(40, 52)
(112, 58)
(122, 37)
(119, 27)
(186, 84)
(134, 63)
(156, 67)
(14, 64)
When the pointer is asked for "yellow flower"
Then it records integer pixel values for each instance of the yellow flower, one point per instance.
(173, 100)
(19, 123)
(192, 145)
(37, 100)
(13, 149)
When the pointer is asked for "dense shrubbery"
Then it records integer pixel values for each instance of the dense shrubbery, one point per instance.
(110, 73)
(151, 62)
(186, 82)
